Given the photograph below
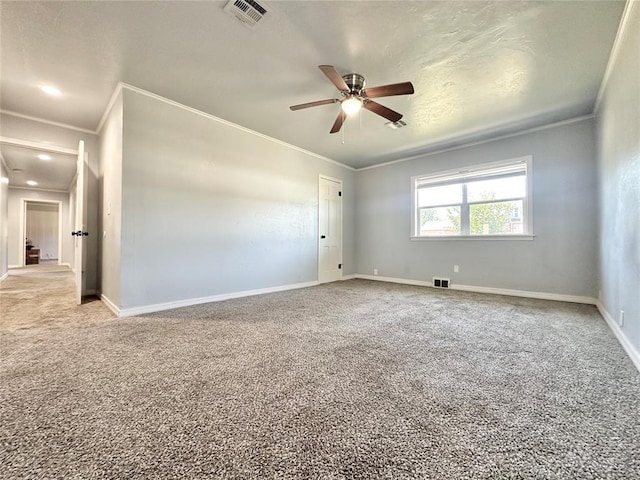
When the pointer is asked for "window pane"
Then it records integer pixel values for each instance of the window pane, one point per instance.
(444, 195)
(497, 189)
(440, 221)
(497, 218)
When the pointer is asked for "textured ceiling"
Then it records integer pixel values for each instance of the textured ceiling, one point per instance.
(479, 68)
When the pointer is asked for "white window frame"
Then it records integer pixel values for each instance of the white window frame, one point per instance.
(458, 176)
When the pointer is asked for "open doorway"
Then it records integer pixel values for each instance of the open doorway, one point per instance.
(42, 232)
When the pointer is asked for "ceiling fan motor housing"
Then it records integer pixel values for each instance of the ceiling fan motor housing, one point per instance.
(355, 82)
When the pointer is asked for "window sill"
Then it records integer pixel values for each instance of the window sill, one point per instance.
(473, 237)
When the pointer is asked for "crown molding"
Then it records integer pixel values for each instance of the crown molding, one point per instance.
(480, 142)
(122, 86)
(48, 122)
(615, 51)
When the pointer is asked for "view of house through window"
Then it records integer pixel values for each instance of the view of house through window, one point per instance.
(482, 200)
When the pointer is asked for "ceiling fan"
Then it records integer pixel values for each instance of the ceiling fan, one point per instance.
(355, 96)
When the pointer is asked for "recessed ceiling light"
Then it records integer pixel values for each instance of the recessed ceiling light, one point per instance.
(32, 183)
(49, 90)
(44, 156)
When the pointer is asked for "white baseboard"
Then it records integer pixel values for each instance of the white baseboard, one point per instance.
(110, 305)
(4, 277)
(633, 353)
(494, 291)
(558, 297)
(65, 264)
(127, 312)
(349, 277)
(14, 266)
(404, 281)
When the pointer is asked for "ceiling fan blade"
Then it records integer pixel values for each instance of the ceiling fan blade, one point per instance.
(333, 75)
(338, 123)
(405, 88)
(314, 104)
(382, 111)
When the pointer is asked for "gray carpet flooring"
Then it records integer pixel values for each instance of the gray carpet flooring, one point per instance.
(352, 380)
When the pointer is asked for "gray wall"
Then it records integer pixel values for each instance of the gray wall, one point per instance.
(210, 209)
(21, 128)
(561, 259)
(4, 219)
(110, 204)
(619, 163)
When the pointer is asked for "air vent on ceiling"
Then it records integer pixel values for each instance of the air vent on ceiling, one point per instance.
(249, 12)
(396, 125)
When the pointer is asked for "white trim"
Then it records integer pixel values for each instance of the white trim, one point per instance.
(110, 305)
(470, 172)
(341, 185)
(39, 189)
(628, 347)
(615, 50)
(4, 277)
(471, 237)
(558, 297)
(110, 103)
(353, 276)
(65, 264)
(227, 123)
(22, 232)
(493, 291)
(9, 267)
(18, 142)
(127, 312)
(378, 278)
(478, 142)
(23, 224)
(332, 179)
(49, 122)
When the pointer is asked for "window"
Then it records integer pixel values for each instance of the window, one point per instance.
(479, 201)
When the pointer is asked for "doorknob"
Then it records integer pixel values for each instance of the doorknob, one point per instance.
(323, 236)
(80, 233)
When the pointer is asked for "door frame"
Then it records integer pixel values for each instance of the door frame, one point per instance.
(18, 142)
(340, 182)
(23, 226)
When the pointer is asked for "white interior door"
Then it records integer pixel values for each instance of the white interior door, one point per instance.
(80, 230)
(330, 230)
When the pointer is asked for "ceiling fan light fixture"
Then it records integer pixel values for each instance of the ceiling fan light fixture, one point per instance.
(351, 105)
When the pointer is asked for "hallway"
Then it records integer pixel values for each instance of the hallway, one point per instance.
(43, 296)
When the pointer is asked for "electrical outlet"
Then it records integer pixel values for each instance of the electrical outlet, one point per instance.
(456, 268)
(375, 271)
(621, 318)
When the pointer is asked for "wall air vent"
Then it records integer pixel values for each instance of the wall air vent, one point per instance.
(249, 12)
